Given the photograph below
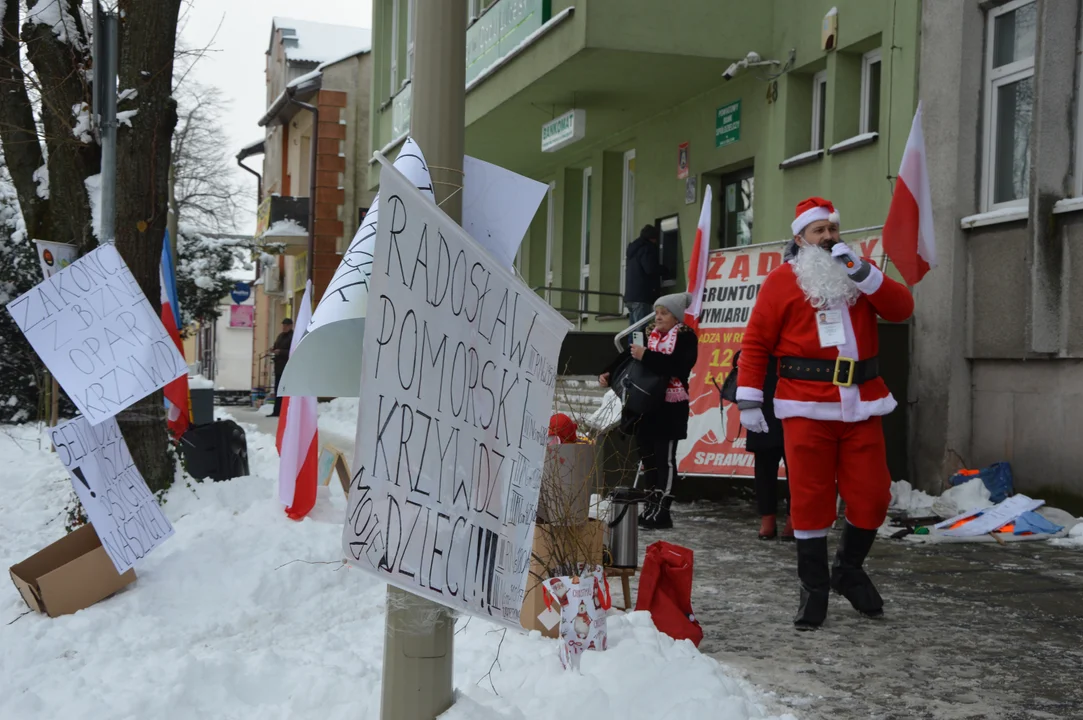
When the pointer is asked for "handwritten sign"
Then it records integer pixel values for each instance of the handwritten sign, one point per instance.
(93, 328)
(118, 502)
(458, 373)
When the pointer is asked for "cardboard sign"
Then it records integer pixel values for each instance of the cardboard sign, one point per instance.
(93, 328)
(55, 256)
(242, 316)
(120, 506)
(734, 278)
(458, 373)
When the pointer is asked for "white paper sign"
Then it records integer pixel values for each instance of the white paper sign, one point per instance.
(93, 328)
(458, 372)
(55, 256)
(120, 506)
(498, 207)
(992, 519)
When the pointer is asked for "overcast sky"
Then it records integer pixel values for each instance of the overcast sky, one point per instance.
(236, 60)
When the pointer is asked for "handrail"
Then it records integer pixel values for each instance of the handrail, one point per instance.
(550, 288)
(629, 330)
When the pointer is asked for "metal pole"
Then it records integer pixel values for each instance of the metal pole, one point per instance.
(108, 109)
(417, 679)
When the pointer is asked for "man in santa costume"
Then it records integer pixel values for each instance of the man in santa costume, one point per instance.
(817, 313)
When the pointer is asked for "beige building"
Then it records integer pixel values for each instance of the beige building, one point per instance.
(314, 186)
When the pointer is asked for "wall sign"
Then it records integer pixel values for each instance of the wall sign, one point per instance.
(682, 161)
(240, 292)
(563, 131)
(727, 124)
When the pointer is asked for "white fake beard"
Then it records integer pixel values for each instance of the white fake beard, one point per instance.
(823, 279)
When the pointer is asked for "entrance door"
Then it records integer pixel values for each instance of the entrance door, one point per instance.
(737, 194)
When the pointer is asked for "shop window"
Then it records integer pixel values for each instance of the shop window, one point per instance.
(870, 92)
(1009, 102)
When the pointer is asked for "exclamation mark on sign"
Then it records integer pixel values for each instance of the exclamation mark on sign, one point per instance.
(79, 474)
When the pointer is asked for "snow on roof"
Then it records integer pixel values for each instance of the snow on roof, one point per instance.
(307, 41)
(254, 144)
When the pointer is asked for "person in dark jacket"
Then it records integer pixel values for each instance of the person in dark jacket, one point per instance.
(671, 352)
(281, 352)
(642, 275)
(769, 452)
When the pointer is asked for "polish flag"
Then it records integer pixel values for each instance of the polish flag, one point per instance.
(298, 439)
(908, 231)
(176, 392)
(697, 271)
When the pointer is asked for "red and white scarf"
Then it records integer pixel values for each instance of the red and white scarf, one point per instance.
(666, 344)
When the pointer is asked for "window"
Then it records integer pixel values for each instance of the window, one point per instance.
(584, 243)
(394, 46)
(819, 109)
(411, 28)
(1009, 103)
(550, 223)
(737, 197)
(870, 93)
(473, 11)
(627, 215)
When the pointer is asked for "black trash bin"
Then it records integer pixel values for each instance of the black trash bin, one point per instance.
(218, 451)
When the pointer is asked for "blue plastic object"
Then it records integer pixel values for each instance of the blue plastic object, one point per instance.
(1035, 523)
(997, 479)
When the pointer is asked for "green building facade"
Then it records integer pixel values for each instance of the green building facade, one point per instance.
(629, 95)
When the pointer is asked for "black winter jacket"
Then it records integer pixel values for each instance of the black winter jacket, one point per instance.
(643, 275)
(670, 422)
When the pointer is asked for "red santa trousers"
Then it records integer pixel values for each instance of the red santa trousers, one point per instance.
(827, 458)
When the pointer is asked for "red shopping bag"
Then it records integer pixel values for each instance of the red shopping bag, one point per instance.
(665, 590)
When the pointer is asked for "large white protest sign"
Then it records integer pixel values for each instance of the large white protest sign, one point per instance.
(458, 372)
(55, 256)
(93, 328)
(498, 207)
(114, 495)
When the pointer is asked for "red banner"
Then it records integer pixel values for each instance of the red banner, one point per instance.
(734, 278)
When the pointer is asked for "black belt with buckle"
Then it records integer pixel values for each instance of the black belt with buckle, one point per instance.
(843, 371)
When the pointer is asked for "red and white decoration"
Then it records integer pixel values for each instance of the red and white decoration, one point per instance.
(908, 231)
(581, 602)
(813, 210)
(298, 440)
(697, 271)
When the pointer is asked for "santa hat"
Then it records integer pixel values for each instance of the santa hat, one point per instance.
(811, 210)
(562, 428)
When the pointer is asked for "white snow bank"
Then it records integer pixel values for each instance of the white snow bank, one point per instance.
(198, 382)
(905, 497)
(245, 614)
(287, 228)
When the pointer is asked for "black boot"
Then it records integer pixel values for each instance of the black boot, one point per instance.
(847, 576)
(815, 583)
(662, 519)
(650, 509)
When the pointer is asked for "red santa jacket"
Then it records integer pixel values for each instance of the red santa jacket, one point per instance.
(783, 324)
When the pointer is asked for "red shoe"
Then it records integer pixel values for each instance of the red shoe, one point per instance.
(768, 528)
(787, 532)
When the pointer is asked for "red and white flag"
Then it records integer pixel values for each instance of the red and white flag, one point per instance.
(176, 392)
(697, 270)
(298, 438)
(908, 231)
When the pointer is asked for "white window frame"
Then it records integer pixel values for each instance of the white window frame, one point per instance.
(993, 81)
(550, 231)
(411, 29)
(473, 11)
(627, 216)
(819, 97)
(394, 65)
(584, 251)
(869, 59)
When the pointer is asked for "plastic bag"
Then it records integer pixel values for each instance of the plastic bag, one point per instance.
(665, 590)
(583, 601)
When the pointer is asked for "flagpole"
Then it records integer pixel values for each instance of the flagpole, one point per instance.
(419, 637)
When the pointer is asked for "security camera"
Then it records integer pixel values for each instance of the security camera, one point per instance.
(752, 57)
(731, 71)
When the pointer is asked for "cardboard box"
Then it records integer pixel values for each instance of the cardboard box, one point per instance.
(587, 536)
(569, 477)
(71, 574)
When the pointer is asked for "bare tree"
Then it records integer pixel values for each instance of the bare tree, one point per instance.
(51, 156)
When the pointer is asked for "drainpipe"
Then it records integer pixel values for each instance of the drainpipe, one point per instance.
(259, 181)
(290, 93)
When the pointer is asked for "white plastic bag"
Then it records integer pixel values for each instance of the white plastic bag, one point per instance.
(583, 601)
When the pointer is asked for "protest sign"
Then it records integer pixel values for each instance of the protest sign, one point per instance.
(120, 506)
(55, 256)
(734, 278)
(498, 207)
(93, 328)
(458, 374)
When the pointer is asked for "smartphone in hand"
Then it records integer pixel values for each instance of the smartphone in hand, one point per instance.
(637, 337)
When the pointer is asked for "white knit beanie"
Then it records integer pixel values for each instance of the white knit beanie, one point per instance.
(676, 303)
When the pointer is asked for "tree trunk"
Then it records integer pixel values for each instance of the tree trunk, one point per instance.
(147, 39)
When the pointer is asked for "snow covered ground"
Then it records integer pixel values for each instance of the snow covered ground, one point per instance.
(245, 614)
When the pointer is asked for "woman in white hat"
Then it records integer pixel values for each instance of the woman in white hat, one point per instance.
(670, 352)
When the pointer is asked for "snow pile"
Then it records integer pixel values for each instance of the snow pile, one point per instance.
(125, 117)
(56, 15)
(1075, 536)
(967, 497)
(338, 424)
(906, 498)
(307, 41)
(41, 179)
(94, 194)
(286, 228)
(245, 614)
(81, 113)
(198, 382)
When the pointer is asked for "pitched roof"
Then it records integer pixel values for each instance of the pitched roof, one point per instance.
(316, 42)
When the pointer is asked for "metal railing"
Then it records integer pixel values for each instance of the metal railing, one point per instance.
(582, 309)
